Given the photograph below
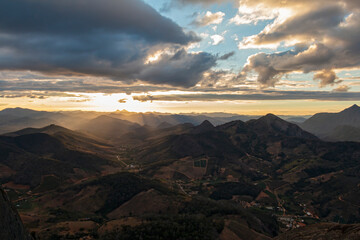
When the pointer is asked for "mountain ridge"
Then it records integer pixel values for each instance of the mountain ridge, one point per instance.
(324, 125)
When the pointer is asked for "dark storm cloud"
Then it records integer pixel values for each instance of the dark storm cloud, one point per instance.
(91, 16)
(173, 67)
(111, 38)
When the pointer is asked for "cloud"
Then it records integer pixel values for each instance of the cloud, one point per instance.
(209, 18)
(67, 17)
(251, 14)
(35, 94)
(123, 100)
(298, 27)
(79, 100)
(342, 88)
(17, 82)
(265, 95)
(262, 63)
(108, 38)
(23, 81)
(219, 79)
(227, 56)
(182, 69)
(323, 36)
(217, 39)
(326, 77)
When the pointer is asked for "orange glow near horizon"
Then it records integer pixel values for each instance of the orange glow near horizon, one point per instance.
(112, 102)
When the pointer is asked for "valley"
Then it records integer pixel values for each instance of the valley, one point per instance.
(249, 180)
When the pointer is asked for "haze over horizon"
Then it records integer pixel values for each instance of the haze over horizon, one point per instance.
(210, 113)
(180, 56)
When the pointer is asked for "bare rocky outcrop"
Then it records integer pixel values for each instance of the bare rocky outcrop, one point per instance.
(11, 226)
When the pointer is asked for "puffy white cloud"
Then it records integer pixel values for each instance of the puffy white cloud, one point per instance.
(253, 14)
(217, 39)
(308, 26)
(209, 18)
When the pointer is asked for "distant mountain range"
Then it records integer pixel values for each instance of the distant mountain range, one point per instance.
(13, 119)
(109, 128)
(342, 126)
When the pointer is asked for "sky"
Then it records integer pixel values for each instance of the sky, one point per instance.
(295, 57)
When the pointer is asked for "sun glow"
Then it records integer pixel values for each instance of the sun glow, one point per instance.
(113, 102)
(154, 57)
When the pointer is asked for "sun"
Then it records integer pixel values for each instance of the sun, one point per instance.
(116, 101)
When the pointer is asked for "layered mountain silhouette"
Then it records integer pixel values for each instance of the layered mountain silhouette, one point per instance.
(108, 127)
(30, 154)
(114, 178)
(12, 119)
(342, 126)
(234, 137)
(267, 148)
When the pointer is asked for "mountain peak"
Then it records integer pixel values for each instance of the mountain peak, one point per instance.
(273, 125)
(270, 115)
(104, 117)
(270, 118)
(353, 108)
(18, 111)
(204, 127)
(53, 127)
(206, 124)
(50, 129)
